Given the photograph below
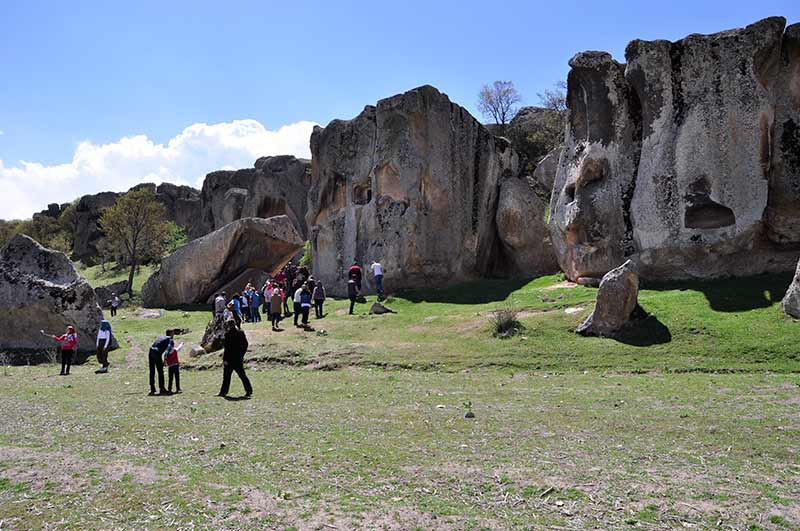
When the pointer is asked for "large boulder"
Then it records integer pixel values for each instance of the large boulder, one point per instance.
(522, 230)
(617, 300)
(274, 186)
(673, 158)
(87, 231)
(41, 290)
(105, 292)
(791, 301)
(545, 173)
(196, 271)
(412, 182)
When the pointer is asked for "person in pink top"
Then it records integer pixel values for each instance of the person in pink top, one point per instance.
(68, 341)
(174, 369)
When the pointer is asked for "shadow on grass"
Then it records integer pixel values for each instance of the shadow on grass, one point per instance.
(478, 292)
(645, 333)
(735, 294)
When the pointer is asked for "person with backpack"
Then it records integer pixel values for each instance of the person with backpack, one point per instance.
(159, 350)
(319, 299)
(233, 360)
(355, 274)
(305, 303)
(68, 342)
(103, 343)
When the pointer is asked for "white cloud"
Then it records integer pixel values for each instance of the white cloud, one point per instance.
(185, 159)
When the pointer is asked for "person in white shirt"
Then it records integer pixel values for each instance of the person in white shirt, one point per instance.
(298, 307)
(103, 343)
(115, 302)
(377, 272)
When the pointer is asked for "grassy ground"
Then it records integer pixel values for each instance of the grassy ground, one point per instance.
(691, 422)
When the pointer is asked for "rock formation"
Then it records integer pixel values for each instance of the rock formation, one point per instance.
(413, 182)
(684, 158)
(617, 300)
(199, 269)
(87, 232)
(545, 173)
(40, 290)
(103, 293)
(275, 186)
(791, 301)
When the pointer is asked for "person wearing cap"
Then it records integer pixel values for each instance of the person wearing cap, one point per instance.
(103, 344)
(68, 341)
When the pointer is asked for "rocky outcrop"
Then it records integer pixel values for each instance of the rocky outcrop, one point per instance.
(674, 158)
(274, 186)
(545, 173)
(105, 292)
(213, 337)
(87, 232)
(617, 300)
(41, 290)
(522, 231)
(199, 269)
(412, 182)
(791, 301)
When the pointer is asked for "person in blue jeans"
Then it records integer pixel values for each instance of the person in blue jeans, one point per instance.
(377, 272)
(255, 302)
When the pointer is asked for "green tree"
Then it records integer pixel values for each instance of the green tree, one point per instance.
(135, 227)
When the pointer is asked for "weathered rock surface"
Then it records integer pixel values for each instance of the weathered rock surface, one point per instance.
(674, 158)
(213, 337)
(41, 290)
(412, 182)
(617, 299)
(379, 309)
(522, 231)
(103, 293)
(196, 271)
(791, 301)
(87, 232)
(545, 173)
(274, 186)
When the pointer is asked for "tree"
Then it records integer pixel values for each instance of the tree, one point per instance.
(499, 102)
(135, 226)
(555, 99)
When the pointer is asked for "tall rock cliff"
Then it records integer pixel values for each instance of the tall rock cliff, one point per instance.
(685, 158)
(413, 182)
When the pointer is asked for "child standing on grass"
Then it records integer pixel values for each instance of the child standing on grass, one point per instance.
(174, 369)
(68, 341)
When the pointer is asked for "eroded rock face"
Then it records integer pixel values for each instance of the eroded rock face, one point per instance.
(87, 232)
(791, 301)
(617, 299)
(413, 183)
(674, 158)
(545, 172)
(40, 290)
(521, 229)
(275, 186)
(105, 292)
(199, 269)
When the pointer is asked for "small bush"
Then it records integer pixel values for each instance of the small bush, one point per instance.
(505, 323)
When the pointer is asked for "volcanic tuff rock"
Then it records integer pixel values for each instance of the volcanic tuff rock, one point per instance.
(791, 301)
(197, 270)
(413, 183)
(274, 186)
(40, 289)
(684, 158)
(105, 292)
(617, 298)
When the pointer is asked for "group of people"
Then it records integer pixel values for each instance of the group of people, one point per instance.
(293, 283)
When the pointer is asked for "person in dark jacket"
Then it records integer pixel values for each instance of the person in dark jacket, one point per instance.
(233, 359)
(305, 302)
(319, 299)
(355, 274)
(352, 293)
(158, 351)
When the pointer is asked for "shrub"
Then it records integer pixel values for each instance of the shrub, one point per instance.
(505, 323)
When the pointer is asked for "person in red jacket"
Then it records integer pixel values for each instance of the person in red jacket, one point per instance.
(68, 342)
(355, 274)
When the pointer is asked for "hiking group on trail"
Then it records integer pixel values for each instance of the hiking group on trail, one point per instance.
(292, 283)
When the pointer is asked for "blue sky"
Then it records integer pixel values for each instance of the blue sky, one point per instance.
(98, 72)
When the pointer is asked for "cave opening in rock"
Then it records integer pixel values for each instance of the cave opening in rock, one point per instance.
(708, 215)
(362, 194)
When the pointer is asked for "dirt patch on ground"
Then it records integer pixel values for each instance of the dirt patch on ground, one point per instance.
(564, 284)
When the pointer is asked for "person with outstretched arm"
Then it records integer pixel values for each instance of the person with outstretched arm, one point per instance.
(233, 359)
(158, 351)
(103, 344)
(68, 341)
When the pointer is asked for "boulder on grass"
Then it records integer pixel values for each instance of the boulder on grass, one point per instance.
(617, 300)
(379, 309)
(791, 301)
(202, 267)
(41, 290)
(213, 337)
(104, 292)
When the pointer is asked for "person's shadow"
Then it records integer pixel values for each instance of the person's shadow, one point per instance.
(237, 398)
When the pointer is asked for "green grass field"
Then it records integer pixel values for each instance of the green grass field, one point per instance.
(690, 422)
